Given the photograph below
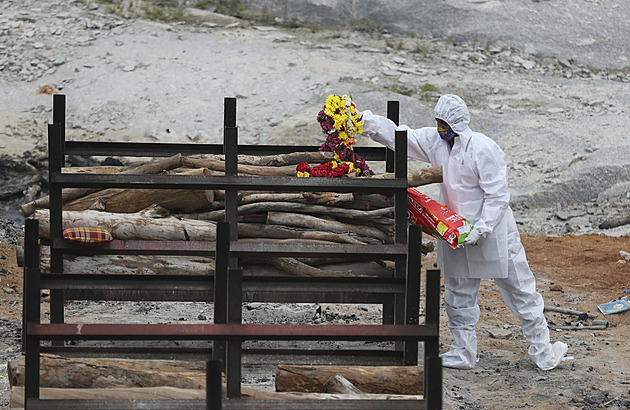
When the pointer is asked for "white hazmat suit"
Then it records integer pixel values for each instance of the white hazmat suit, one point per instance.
(475, 186)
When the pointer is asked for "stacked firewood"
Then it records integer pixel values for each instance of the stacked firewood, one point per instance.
(83, 378)
(191, 215)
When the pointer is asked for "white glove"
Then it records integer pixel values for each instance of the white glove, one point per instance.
(472, 238)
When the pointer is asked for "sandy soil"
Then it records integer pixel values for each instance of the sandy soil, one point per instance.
(576, 272)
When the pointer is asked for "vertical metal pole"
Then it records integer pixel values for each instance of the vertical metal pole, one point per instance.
(393, 109)
(400, 200)
(432, 361)
(221, 288)
(412, 292)
(400, 216)
(31, 309)
(433, 382)
(59, 109)
(230, 147)
(234, 349)
(214, 393)
(59, 113)
(393, 113)
(56, 141)
(432, 309)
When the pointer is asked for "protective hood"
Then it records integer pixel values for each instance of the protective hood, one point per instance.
(452, 110)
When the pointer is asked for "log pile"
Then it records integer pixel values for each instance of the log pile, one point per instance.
(181, 215)
(178, 215)
(102, 378)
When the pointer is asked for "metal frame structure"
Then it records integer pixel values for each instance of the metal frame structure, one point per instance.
(228, 288)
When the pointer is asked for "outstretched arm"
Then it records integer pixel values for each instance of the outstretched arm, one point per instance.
(383, 130)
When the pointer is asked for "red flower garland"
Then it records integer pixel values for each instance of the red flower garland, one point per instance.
(326, 170)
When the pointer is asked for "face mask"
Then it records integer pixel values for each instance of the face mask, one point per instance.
(446, 134)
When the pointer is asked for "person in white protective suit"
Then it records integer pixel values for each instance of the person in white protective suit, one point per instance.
(475, 186)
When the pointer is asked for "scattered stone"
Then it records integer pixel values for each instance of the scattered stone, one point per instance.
(500, 333)
(46, 89)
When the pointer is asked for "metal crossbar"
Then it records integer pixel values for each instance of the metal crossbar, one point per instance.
(127, 331)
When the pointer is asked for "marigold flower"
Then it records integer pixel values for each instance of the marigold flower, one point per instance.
(341, 123)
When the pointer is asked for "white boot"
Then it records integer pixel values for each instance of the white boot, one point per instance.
(555, 355)
(463, 353)
(460, 302)
(458, 359)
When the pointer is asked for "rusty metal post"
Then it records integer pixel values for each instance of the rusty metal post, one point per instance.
(31, 309)
(234, 347)
(56, 141)
(412, 292)
(214, 392)
(220, 287)
(230, 147)
(433, 382)
(393, 113)
(432, 309)
(59, 114)
(393, 110)
(400, 215)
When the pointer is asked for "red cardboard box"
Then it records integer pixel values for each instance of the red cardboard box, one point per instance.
(436, 219)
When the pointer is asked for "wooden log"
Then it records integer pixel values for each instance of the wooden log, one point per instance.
(573, 312)
(369, 379)
(112, 393)
(260, 267)
(596, 327)
(106, 378)
(417, 177)
(189, 265)
(134, 200)
(319, 198)
(297, 268)
(372, 201)
(339, 384)
(292, 158)
(260, 394)
(615, 222)
(378, 215)
(67, 372)
(161, 393)
(139, 225)
(99, 169)
(249, 230)
(127, 264)
(311, 222)
(69, 194)
(217, 165)
(424, 176)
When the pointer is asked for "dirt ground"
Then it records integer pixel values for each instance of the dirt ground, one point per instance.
(575, 272)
